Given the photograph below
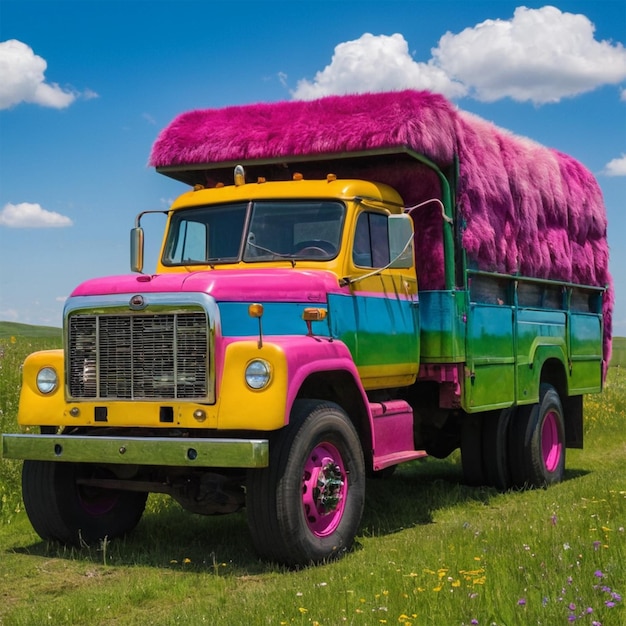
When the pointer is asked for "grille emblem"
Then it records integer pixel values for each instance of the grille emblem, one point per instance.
(137, 302)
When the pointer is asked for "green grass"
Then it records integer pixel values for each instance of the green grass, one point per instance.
(618, 356)
(430, 550)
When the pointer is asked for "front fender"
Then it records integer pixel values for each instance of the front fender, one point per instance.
(37, 408)
(293, 360)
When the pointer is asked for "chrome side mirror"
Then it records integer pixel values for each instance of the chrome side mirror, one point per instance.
(136, 249)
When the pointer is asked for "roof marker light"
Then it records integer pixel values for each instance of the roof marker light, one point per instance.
(240, 175)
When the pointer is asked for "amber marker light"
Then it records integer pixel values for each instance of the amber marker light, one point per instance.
(313, 314)
(256, 310)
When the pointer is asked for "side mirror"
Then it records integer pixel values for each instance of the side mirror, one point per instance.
(401, 241)
(136, 250)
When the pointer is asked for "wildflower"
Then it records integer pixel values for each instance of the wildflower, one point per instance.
(303, 610)
(609, 604)
(474, 622)
(522, 602)
(571, 618)
(572, 606)
(186, 560)
(554, 520)
(566, 546)
(596, 545)
(598, 574)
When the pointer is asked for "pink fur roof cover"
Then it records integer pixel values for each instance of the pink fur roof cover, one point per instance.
(527, 209)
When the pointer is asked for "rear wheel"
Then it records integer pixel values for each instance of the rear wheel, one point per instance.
(495, 448)
(61, 508)
(472, 450)
(537, 441)
(306, 506)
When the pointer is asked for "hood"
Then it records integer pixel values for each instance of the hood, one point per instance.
(265, 285)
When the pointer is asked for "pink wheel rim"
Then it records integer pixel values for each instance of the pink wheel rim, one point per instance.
(324, 489)
(551, 444)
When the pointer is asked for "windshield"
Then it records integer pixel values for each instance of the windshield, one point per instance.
(254, 232)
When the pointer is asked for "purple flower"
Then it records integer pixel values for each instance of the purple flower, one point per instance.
(598, 574)
(616, 596)
(522, 601)
(596, 545)
(572, 606)
(610, 604)
(589, 610)
(474, 622)
(571, 618)
(554, 520)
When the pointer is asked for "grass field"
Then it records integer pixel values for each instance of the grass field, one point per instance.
(430, 550)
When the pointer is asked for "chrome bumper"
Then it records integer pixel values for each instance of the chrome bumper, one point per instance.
(175, 452)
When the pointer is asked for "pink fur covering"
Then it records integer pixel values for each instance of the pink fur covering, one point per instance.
(525, 208)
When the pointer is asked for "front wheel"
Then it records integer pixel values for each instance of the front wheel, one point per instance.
(306, 506)
(60, 507)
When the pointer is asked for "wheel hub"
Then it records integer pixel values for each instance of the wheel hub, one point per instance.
(327, 493)
(324, 489)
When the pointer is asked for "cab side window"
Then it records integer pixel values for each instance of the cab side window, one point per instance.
(371, 241)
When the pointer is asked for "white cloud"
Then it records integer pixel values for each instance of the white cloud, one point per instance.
(616, 167)
(22, 79)
(376, 63)
(30, 215)
(539, 55)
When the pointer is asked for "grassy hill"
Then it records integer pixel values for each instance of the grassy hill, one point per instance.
(13, 329)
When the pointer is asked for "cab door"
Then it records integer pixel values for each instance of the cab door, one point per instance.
(384, 308)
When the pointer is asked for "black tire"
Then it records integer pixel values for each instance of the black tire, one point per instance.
(472, 450)
(537, 442)
(292, 520)
(60, 509)
(495, 455)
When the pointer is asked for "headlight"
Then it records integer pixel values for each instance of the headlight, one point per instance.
(258, 374)
(47, 380)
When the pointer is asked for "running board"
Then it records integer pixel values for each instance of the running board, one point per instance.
(392, 434)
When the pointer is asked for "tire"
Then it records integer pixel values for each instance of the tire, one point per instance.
(60, 509)
(537, 442)
(306, 506)
(472, 450)
(495, 448)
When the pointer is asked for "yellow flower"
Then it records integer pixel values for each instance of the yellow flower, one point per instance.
(303, 610)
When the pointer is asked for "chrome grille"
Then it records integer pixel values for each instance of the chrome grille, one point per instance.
(162, 356)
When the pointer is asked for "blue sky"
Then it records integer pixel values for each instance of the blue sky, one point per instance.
(85, 87)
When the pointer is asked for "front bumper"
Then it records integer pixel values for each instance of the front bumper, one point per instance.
(159, 451)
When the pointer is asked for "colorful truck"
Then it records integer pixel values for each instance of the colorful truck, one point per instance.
(349, 284)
